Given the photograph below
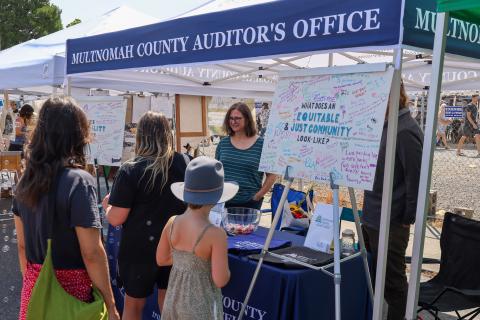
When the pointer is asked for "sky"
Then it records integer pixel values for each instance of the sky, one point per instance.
(87, 9)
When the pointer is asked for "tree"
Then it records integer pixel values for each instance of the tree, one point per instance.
(22, 20)
(74, 22)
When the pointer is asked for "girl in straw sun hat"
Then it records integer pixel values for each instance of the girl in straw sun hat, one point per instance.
(196, 248)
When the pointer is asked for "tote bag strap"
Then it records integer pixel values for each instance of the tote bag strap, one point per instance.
(52, 203)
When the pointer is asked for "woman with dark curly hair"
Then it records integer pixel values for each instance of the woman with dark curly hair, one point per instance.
(55, 162)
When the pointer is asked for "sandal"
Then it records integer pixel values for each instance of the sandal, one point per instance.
(460, 154)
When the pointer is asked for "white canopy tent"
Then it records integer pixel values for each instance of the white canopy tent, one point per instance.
(38, 65)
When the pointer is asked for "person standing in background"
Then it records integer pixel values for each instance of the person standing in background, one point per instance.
(24, 122)
(442, 124)
(240, 154)
(7, 121)
(406, 175)
(262, 117)
(470, 126)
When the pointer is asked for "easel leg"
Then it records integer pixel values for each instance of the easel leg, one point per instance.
(268, 240)
(99, 193)
(361, 240)
(336, 246)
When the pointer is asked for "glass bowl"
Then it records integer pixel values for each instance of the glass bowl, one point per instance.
(240, 220)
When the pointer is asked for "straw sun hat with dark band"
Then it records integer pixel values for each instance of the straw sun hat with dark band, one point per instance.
(204, 183)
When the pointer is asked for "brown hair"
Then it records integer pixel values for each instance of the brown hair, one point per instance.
(250, 127)
(194, 206)
(403, 97)
(155, 142)
(58, 140)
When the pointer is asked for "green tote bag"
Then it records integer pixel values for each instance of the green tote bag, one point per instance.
(49, 301)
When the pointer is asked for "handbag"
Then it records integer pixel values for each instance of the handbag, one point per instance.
(49, 301)
(299, 198)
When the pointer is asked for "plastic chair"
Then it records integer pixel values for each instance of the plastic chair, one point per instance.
(457, 285)
(293, 195)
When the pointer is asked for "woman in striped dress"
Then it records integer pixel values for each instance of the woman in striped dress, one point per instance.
(240, 154)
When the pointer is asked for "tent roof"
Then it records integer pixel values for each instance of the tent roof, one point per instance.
(41, 61)
(268, 29)
(458, 5)
(468, 10)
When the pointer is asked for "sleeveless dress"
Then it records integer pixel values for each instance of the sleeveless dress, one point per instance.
(191, 293)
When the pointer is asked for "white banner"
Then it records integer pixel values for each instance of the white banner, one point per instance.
(107, 122)
(328, 123)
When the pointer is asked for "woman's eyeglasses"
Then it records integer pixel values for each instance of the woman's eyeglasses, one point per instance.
(235, 119)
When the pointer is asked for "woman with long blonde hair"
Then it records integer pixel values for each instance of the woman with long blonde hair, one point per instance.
(142, 202)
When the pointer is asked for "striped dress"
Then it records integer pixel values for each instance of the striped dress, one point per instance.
(241, 166)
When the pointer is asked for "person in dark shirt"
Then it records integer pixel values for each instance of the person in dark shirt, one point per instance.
(55, 163)
(470, 126)
(408, 159)
(142, 202)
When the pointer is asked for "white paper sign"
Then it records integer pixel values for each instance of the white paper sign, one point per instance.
(163, 105)
(141, 105)
(328, 123)
(107, 122)
(216, 214)
(320, 233)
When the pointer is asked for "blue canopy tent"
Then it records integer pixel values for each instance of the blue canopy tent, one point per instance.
(278, 30)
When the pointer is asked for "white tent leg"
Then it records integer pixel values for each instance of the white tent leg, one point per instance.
(337, 277)
(68, 87)
(387, 186)
(427, 159)
(422, 112)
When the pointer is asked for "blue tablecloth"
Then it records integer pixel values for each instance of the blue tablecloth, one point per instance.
(279, 294)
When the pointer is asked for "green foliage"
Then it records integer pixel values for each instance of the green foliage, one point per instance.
(22, 20)
(74, 22)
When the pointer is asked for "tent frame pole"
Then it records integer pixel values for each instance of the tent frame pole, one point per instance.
(427, 160)
(337, 275)
(387, 186)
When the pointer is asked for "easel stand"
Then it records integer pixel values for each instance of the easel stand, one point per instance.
(337, 248)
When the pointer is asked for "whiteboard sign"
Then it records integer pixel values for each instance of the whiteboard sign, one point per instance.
(328, 123)
(107, 122)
